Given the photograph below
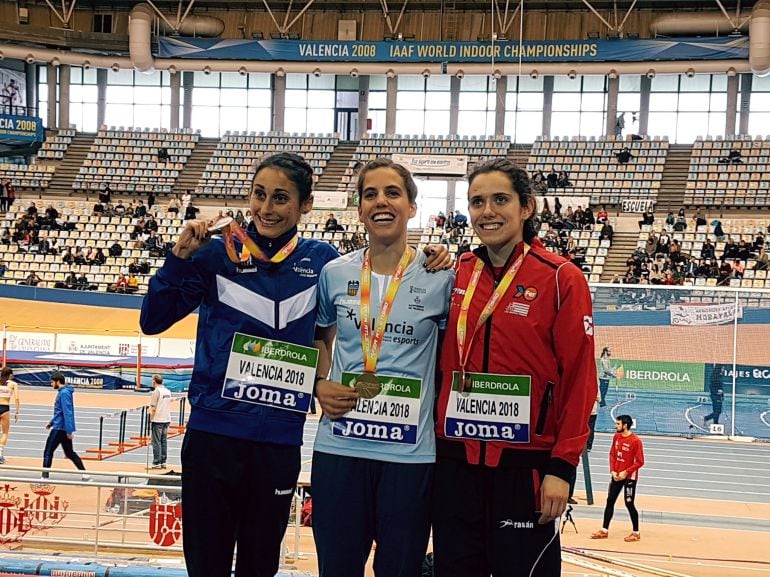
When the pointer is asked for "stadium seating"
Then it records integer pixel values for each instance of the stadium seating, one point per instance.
(229, 170)
(32, 177)
(92, 231)
(593, 169)
(56, 144)
(711, 183)
(128, 161)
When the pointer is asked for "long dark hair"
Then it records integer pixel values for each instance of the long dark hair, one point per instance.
(520, 183)
(294, 167)
(383, 162)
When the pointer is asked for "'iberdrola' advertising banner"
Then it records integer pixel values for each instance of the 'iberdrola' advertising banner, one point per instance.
(21, 128)
(455, 52)
(659, 376)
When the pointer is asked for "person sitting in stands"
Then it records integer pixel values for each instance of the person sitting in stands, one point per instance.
(140, 211)
(762, 260)
(738, 268)
(32, 279)
(552, 179)
(119, 208)
(133, 267)
(191, 212)
(138, 229)
(744, 250)
(461, 221)
(32, 210)
(120, 285)
(83, 283)
(116, 249)
(733, 157)
(105, 194)
(463, 248)
(624, 155)
(731, 249)
(602, 216)
(80, 255)
(607, 232)
(151, 224)
(647, 218)
(71, 280)
(44, 246)
(332, 225)
(162, 154)
(563, 180)
(99, 257)
(173, 205)
(3, 268)
(144, 267)
(98, 208)
(133, 284)
(154, 244)
(539, 181)
(6, 237)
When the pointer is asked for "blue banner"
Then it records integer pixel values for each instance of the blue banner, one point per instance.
(749, 379)
(456, 52)
(21, 128)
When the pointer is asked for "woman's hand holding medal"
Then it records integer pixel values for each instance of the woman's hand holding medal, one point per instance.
(196, 233)
(335, 399)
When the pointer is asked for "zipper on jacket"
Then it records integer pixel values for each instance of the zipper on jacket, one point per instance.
(544, 404)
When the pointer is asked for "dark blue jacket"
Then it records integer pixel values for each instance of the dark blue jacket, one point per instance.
(64, 411)
(274, 301)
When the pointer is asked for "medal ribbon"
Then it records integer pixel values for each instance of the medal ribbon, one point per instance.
(372, 342)
(250, 248)
(489, 308)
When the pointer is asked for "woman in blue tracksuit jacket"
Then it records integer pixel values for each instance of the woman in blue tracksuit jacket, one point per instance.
(241, 459)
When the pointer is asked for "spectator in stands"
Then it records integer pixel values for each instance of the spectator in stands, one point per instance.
(150, 200)
(3, 268)
(450, 220)
(144, 267)
(670, 220)
(733, 157)
(10, 194)
(173, 205)
(3, 198)
(570, 216)
(332, 225)
(150, 224)
(744, 250)
(461, 221)
(624, 155)
(32, 279)
(116, 249)
(133, 284)
(602, 216)
(620, 124)
(464, 247)
(708, 250)
(67, 256)
(186, 199)
(247, 216)
(563, 180)
(762, 260)
(731, 249)
(98, 208)
(80, 255)
(44, 246)
(240, 218)
(440, 220)
(539, 181)
(32, 210)
(675, 252)
(664, 243)
(588, 218)
(84, 284)
(191, 212)
(557, 206)
(648, 218)
(154, 244)
(133, 267)
(99, 257)
(105, 194)
(607, 232)
(759, 242)
(120, 285)
(70, 223)
(553, 178)
(545, 215)
(725, 273)
(163, 154)
(71, 280)
(138, 229)
(140, 211)
(6, 237)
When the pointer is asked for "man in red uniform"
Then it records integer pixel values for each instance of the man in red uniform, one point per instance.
(626, 458)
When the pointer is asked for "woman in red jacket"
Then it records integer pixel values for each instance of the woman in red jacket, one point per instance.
(518, 380)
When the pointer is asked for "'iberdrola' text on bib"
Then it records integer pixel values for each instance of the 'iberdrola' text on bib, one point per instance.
(271, 373)
(496, 409)
(392, 416)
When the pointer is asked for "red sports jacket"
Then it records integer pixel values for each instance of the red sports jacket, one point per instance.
(626, 454)
(543, 327)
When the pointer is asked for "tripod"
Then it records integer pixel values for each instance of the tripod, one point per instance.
(568, 519)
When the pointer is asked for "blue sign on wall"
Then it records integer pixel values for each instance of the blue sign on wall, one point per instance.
(749, 379)
(457, 52)
(14, 128)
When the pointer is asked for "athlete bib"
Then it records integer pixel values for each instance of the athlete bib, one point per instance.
(272, 373)
(391, 417)
(495, 409)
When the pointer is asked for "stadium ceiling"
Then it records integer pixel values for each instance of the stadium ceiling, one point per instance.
(424, 5)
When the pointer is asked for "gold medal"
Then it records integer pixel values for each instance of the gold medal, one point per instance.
(367, 385)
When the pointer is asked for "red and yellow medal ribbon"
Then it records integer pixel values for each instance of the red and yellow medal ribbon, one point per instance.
(371, 342)
(494, 300)
(250, 248)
